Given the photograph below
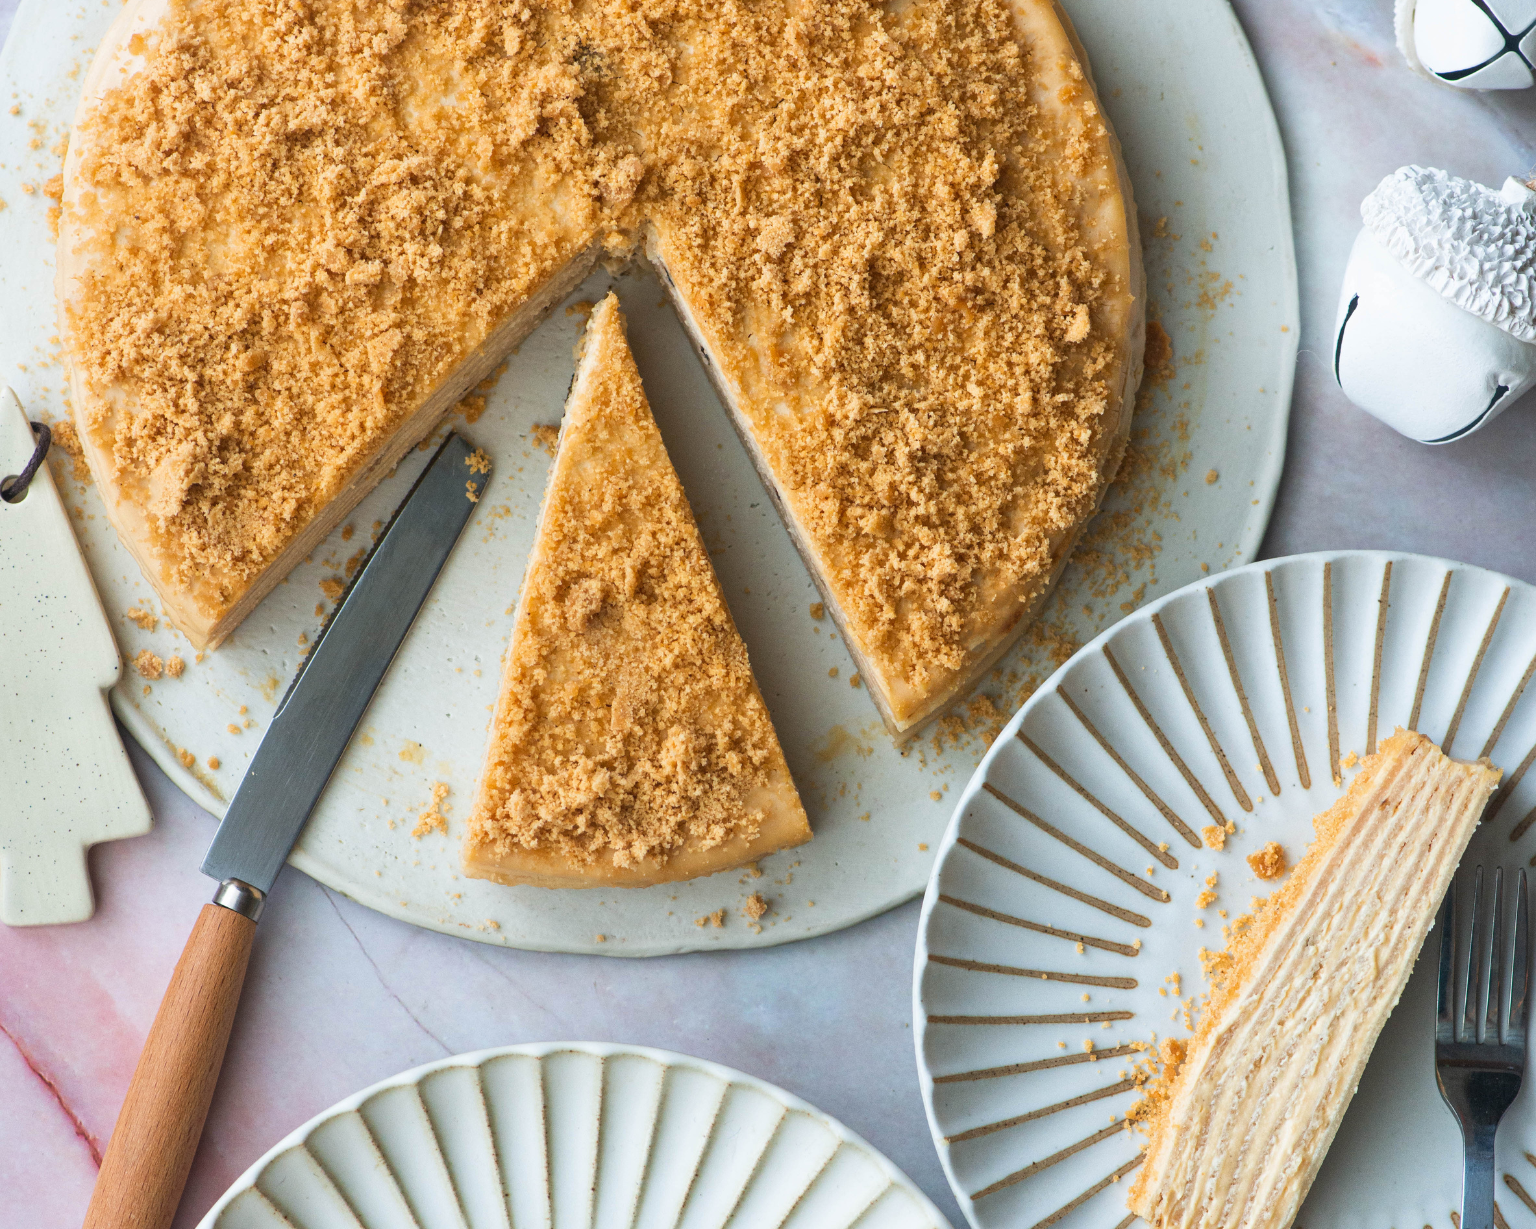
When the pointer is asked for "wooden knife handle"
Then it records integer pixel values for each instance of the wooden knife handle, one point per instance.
(152, 1145)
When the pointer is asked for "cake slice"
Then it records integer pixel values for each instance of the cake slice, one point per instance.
(1302, 993)
(630, 744)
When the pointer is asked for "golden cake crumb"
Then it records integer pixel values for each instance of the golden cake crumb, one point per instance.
(478, 462)
(1211, 477)
(1269, 862)
(818, 611)
(1350, 760)
(186, 758)
(148, 664)
(213, 762)
(232, 728)
(546, 437)
(715, 919)
(1214, 835)
(432, 819)
(755, 907)
(332, 587)
(1206, 899)
(144, 618)
(67, 438)
(174, 667)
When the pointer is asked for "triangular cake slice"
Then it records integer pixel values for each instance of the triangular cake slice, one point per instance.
(630, 745)
(1239, 1131)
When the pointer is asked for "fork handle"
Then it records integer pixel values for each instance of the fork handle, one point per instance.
(1477, 1186)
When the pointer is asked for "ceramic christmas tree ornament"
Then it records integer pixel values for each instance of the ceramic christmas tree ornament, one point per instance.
(65, 781)
(1471, 44)
(1436, 331)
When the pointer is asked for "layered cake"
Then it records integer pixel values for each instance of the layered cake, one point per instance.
(630, 744)
(1241, 1125)
(294, 235)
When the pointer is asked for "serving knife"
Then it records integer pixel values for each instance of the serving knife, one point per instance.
(150, 1153)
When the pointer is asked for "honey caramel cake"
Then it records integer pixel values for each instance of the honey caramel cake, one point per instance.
(630, 745)
(1241, 1125)
(296, 231)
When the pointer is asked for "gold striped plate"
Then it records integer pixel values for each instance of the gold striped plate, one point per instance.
(573, 1136)
(1064, 918)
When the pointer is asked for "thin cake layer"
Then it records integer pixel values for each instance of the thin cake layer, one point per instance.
(1302, 994)
(294, 234)
(630, 744)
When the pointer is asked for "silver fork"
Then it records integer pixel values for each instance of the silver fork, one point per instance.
(1479, 1074)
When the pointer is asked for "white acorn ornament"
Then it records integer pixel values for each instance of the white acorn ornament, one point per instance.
(1471, 44)
(1436, 331)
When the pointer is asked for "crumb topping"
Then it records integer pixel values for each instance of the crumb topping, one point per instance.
(432, 818)
(629, 723)
(298, 219)
(148, 664)
(1269, 862)
(755, 907)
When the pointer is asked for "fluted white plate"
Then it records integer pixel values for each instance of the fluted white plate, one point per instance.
(573, 1136)
(1210, 182)
(1064, 896)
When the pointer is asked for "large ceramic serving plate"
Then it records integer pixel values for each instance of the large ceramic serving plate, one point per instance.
(1063, 908)
(1209, 175)
(577, 1136)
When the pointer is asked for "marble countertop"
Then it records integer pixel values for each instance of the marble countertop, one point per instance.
(339, 997)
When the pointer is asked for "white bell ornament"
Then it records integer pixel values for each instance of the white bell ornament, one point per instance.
(1436, 327)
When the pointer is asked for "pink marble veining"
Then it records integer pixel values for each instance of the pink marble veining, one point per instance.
(339, 997)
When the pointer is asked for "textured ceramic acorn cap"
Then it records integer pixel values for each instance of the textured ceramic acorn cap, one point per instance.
(1477, 247)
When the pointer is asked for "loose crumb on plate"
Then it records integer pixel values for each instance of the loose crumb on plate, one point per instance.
(1269, 862)
(148, 664)
(432, 819)
(546, 437)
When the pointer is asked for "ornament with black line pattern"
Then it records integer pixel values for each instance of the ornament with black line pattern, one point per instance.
(1470, 44)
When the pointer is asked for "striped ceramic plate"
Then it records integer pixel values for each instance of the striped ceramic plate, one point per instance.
(573, 1136)
(1066, 910)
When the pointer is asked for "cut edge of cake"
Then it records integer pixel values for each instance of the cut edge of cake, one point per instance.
(784, 823)
(1270, 1184)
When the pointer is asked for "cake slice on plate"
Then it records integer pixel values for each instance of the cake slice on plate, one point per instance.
(630, 744)
(1240, 1129)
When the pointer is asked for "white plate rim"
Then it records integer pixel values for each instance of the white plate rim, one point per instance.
(667, 1059)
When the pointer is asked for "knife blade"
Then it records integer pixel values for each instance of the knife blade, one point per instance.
(336, 681)
(150, 1153)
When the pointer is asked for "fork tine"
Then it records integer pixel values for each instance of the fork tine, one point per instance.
(1494, 961)
(1445, 995)
(1520, 973)
(1472, 984)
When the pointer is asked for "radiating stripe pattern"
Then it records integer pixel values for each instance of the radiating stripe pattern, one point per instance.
(1063, 925)
(588, 1137)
